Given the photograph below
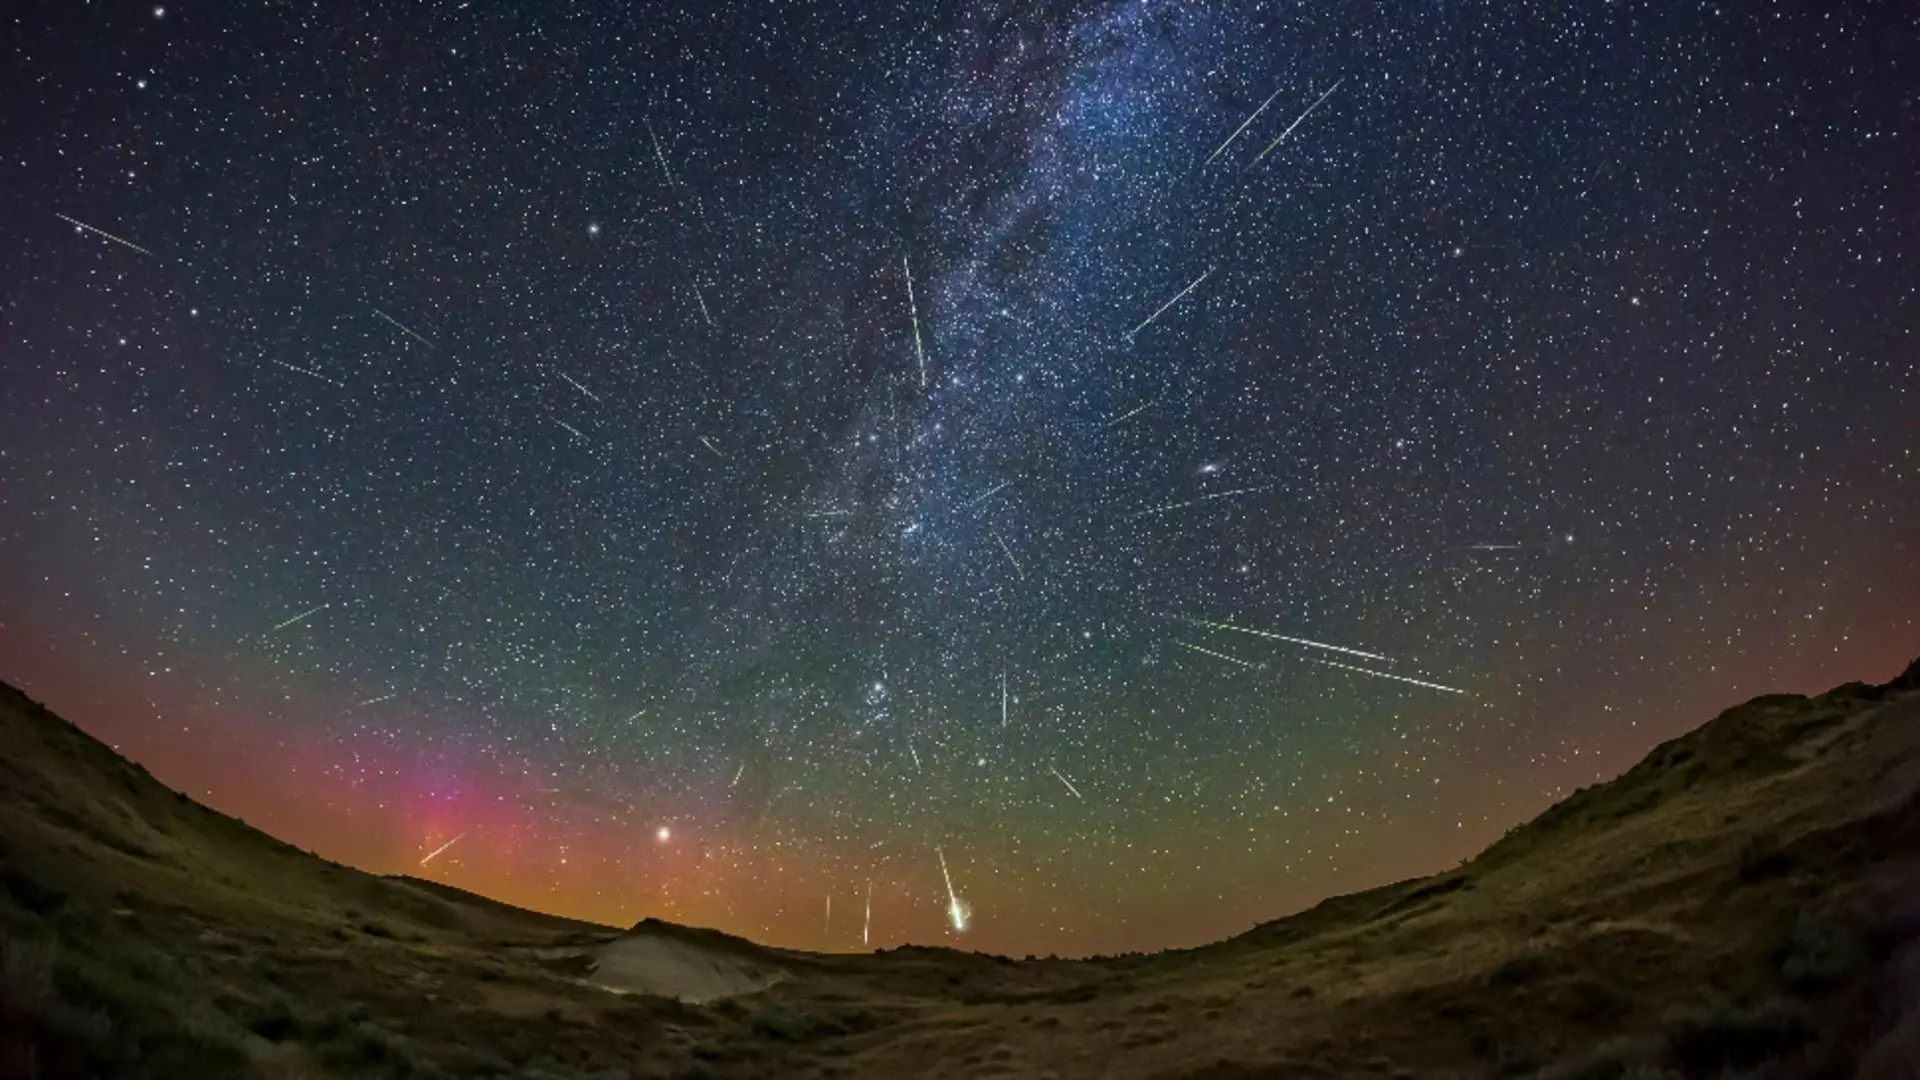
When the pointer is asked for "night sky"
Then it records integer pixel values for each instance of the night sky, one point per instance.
(899, 473)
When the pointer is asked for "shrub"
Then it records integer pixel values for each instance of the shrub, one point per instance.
(1820, 952)
(1761, 857)
(30, 893)
(1718, 1036)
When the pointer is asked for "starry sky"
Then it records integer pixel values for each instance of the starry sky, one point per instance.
(1066, 477)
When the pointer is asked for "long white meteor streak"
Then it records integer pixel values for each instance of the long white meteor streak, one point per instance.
(709, 444)
(581, 435)
(1218, 655)
(1242, 127)
(377, 700)
(1293, 640)
(435, 853)
(575, 383)
(1170, 303)
(404, 328)
(737, 774)
(1196, 502)
(77, 223)
(868, 924)
(989, 493)
(704, 313)
(1396, 678)
(1064, 780)
(1003, 697)
(913, 309)
(956, 911)
(1021, 574)
(1297, 120)
(302, 617)
(1135, 411)
(310, 373)
(658, 155)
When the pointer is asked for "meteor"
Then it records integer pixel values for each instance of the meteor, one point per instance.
(913, 309)
(1196, 502)
(1003, 697)
(1016, 562)
(404, 328)
(710, 446)
(1219, 655)
(376, 700)
(1296, 122)
(1136, 411)
(957, 912)
(704, 313)
(310, 373)
(435, 853)
(577, 432)
(1064, 780)
(989, 493)
(1293, 640)
(75, 222)
(1170, 303)
(868, 924)
(658, 154)
(1241, 128)
(1396, 678)
(737, 774)
(302, 617)
(575, 383)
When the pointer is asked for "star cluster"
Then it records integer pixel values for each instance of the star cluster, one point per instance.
(1066, 478)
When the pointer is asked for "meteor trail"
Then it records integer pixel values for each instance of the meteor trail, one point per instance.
(1293, 640)
(868, 924)
(634, 717)
(1384, 675)
(377, 700)
(576, 385)
(658, 155)
(989, 493)
(956, 911)
(1296, 122)
(704, 313)
(404, 328)
(915, 753)
(1003, 697)
(302, 617)
(914, 310)
(1195, 502)
(1022, 574)
(1170, 303)
(1064, 780)
(829, 927)
(1137, 410)
(435, 853)
(710, 446)
(582, 435)
(1241, 128)
(102, 232)
(310, 373)
(1219, 655)
(737, 774)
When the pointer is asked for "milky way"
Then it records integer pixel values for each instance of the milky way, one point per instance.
(1071, 477)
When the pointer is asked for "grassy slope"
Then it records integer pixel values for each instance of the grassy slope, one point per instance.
(1729, 891)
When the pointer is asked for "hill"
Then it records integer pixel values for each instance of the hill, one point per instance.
(1743, 902)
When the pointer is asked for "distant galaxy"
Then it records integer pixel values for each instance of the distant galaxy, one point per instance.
(1061, 478)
